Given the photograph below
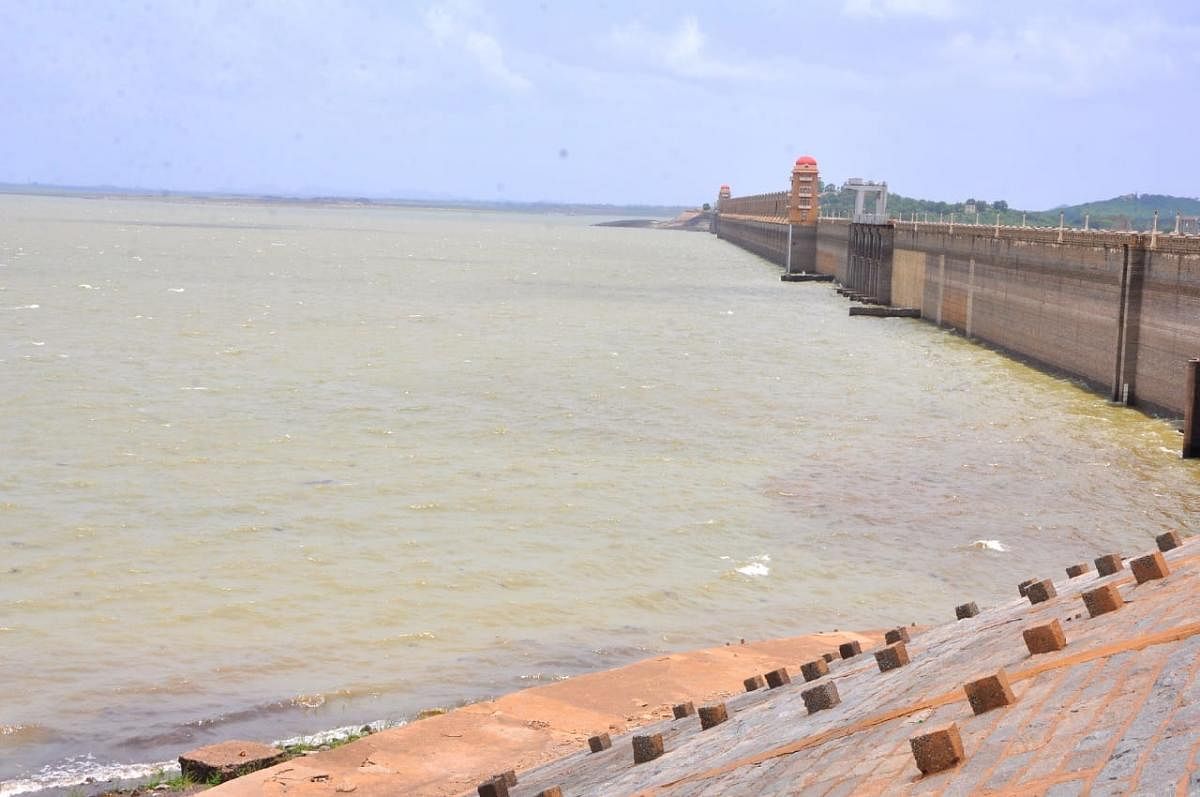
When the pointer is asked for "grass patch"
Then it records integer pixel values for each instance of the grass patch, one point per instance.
(294, 750)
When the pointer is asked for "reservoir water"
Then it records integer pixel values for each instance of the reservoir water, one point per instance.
(272, 469)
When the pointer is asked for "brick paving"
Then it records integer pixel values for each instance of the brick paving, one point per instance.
(1117, 711)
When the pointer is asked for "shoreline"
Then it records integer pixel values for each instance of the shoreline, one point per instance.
(449, 753)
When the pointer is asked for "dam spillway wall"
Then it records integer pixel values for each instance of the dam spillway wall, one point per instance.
(1119, 311)
(1167, 328)
(764, 237)
(833, 238)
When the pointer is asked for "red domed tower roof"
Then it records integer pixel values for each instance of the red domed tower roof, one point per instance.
(806, 160)
(725, 187)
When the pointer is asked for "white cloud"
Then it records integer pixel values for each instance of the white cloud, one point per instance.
(882, 9)
(1076, 57)
(490, 56)
(681, 52)
(448, 24)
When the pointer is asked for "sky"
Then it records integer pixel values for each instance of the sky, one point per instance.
(1036, 103)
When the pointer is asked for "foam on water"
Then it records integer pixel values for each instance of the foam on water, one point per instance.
(989, 545)
(82, 770)
(758, 566)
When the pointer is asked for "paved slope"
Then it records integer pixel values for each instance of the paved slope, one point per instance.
(1115, 712)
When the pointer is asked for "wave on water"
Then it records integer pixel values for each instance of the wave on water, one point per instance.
(82, 770)
(85, 770)
(337, 734)
(988, 545)
(757, 566)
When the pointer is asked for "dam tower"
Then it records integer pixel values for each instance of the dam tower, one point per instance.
(804, 204)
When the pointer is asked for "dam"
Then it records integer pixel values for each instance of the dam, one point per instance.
(1118, 311)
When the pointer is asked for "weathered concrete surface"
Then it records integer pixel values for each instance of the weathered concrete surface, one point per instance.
(226, 760)
(1115, 712)
(452, 753)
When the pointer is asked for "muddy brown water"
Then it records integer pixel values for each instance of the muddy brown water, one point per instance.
(267, 470)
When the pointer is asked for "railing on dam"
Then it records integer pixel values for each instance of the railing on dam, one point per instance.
(758, 206)
(1149, 239)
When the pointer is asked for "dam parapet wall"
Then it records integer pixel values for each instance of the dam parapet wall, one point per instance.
(1119, 311)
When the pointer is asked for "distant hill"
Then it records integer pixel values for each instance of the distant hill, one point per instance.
(1128, 212)
(1136, 209)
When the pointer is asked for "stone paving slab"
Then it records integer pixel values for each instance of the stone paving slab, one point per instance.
(1116, 711)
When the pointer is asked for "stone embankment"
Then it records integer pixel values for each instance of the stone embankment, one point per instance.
(1084, 683)
(452, 753)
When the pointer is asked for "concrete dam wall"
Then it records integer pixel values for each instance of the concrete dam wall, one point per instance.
(1119, 311)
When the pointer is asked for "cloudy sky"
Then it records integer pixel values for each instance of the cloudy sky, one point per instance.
(1037, 103)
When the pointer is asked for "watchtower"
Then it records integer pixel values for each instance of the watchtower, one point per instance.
(805, 201)
(802, 212)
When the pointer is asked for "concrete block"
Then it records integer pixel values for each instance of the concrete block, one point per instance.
(828, 657)
(821, 697)
(1045, 638)
(966, 610)
(496, 787)
(849, 650)
(1024, 585)
(891, 657)
(899, 634)
(1149, 567)
(647, 748)
(227, 760)
(754, 682)
(814, 669)
(992, 691)
(1041, 591)
(712, 716)
(1109, 563)
(599, 742)
(938, 750)
(1169, 540)
(1102, 600)
(1074, 571)
(683, 710)
(777, 678)
(553, 791)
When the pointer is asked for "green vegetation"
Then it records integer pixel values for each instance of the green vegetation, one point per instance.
(159, 783)
(294, 750)
(1132, 211)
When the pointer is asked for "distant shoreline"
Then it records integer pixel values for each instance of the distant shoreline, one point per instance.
(691, 220)
(565, 208)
